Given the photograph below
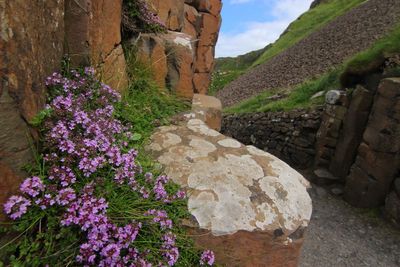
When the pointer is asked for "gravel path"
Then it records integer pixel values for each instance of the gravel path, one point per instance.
(340, 235)
(319, 52)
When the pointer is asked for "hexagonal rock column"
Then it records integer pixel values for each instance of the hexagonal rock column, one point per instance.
(247, 205)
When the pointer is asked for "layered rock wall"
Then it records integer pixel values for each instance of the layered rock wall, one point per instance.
(183, 59)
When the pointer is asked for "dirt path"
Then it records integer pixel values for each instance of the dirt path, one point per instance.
(340, 235)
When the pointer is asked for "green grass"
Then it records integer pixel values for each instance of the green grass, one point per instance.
(144, 105)
(364, 62)
(230, 68)
(220, 79)
(309, 22)
(298, 98)
(375, 55)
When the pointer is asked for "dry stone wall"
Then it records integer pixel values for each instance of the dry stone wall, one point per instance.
(183, 59)
(291, 136)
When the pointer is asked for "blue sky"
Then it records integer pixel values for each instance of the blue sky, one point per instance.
(249, 25)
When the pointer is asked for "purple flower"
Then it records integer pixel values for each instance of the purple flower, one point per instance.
(16, 206)
(207, 258)
(32, 186)
(65, 196)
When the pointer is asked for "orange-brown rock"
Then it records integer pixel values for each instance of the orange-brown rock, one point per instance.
(209, 29)
(204, 59)
(171, 12)
(201, 81)
(180, 63)
(93, 36)
(192, 21)
(210, 6)
(113, 69)
(31, 47)
(151, 52)
(247, 249)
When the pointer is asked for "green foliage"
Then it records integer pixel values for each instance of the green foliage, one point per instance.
(299, 97)
(145, 105)
(309, 22)
(220, 79)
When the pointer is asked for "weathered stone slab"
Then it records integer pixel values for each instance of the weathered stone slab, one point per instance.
(252, 206)
(209, 107)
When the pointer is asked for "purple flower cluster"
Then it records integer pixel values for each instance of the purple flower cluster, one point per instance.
(83, 139)
(148, 17)
(207, 258)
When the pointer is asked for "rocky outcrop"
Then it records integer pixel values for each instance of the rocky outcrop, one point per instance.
(31, 47)
(378, 157)
(291, 136)
(33, 40)
(248, 206)
(93, 37)
(183, 58)
(316, 54)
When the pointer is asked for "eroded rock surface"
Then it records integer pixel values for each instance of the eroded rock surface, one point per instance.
(249, 206)
(197, 23)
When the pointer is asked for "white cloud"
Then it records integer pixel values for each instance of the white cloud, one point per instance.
(259, 34)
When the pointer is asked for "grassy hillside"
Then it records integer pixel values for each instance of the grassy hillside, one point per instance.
(229, 68)
(300, 97)
(309, 22)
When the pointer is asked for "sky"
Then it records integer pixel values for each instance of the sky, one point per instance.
(248, 25)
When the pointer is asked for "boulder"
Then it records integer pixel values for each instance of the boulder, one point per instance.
(248, 206)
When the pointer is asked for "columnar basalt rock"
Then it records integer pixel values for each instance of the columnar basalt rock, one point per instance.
(378, 158)
(31, 47)
(93, 37)
(198, 20)
(247, 205)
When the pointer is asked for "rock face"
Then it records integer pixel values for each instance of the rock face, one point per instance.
(33, 40)
(93, 37)
(31, 47)
(378, 157)
(248, 206)
(188, 48)
(291, 136)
